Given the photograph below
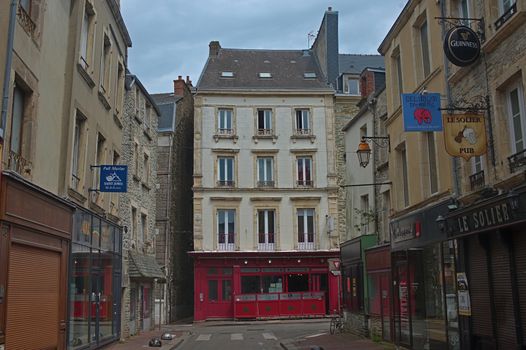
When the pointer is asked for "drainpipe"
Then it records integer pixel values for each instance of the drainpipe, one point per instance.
(454, 160)
(8, 64)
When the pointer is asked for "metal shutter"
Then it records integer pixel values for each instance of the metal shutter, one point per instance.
(519, 246)
(33, 298)
(503, 298)
(479, 288)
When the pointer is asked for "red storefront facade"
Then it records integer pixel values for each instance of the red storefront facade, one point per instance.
(252, 285)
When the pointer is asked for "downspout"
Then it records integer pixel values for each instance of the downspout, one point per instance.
(454, 160)
(8, 64)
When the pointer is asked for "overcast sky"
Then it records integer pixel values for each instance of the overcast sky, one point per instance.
(171, 37)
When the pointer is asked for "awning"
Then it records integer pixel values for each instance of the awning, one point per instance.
(144, 267)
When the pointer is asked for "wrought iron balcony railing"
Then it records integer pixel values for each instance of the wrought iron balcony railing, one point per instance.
(304, 183)
(265, 183)
(477, 181)
(225, 183)
(517, 160)
(26, 21)
(265, 132)
(506, 16)
(18, 163)
(302, 131)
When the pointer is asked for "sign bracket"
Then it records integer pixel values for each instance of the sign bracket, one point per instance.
(451, 22)
(477, 104)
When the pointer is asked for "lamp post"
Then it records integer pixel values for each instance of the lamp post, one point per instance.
(364, 150)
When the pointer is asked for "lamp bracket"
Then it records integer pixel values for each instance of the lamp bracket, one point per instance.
(380, 141)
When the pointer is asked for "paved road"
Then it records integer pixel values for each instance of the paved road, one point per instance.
(260, 335)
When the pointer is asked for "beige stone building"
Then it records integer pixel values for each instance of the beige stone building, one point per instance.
(63, 107)
(420, 172)
(492, 249)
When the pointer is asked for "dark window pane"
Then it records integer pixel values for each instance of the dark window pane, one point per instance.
(226, 290)
(249, 284)
(212, 290)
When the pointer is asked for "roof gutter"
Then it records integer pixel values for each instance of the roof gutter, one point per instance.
(8, 64)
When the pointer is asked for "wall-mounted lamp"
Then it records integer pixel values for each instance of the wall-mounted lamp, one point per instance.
(364, 150)
(246, 262)
(299, 260)
(269, 261)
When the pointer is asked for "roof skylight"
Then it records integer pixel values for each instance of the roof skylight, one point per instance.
(227, 74)
(310, 75)
(265, 75)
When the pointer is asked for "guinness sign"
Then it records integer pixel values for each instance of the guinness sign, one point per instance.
(462, 46)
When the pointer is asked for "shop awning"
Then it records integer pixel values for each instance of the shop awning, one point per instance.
(144, 267)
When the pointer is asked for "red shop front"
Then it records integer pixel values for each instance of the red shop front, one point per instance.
(239, 285)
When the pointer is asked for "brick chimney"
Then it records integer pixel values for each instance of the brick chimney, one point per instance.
(188, 81)
(179, 86)
(214, 48)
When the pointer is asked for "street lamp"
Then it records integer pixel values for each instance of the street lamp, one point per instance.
(364, 150)
(364, 153)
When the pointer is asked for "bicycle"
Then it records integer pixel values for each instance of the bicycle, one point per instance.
(336, 324)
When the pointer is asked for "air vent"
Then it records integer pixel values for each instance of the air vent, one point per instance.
(265, 75)
(309, 75)
(227, 74)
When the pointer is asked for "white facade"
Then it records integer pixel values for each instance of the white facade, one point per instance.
(246, 195)
(360, 208)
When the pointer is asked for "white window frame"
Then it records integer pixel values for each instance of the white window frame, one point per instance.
(269, 231)
(521, 114)
(223, 167)
(503, 7)
(304, 182)
(229, 237)
(265, 171)
(302, 121)
(302, 214)
(266, 128)
(225, 121)
(348, 86)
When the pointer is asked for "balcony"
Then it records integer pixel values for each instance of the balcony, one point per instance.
(306, 241)
(226, 242)
(477, 181)
(266, 241)
(265, 132)
(304, 183)
(225, 183)
(302, 132)
(25, 20)
(517, 161)
(19, 164)
(268, 184)
(225, 134)
(506, 16)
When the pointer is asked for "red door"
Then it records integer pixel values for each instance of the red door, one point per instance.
(218, 298)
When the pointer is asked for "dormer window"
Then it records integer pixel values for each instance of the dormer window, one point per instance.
(227, 74)
(353, 86)
(309, 75)
(265, 75)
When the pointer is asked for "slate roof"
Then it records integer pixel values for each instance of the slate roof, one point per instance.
(286, 66)
(144, 267)
(167, 106)
(355, 64)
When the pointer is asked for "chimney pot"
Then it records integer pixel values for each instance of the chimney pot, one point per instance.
(330, 8)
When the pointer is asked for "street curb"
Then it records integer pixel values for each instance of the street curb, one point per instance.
(179, 342)
(283, 346)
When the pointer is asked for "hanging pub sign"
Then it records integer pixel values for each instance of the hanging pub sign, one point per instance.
(462, 46)
(421, 112)
(465, 135)
(113, 178)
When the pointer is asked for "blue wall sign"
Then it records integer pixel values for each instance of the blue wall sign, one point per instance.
(421, 112)
(113, 178)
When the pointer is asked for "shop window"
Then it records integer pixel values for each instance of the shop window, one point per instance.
(250, 284)
(212, 290)
(298, 283)
(272, 284)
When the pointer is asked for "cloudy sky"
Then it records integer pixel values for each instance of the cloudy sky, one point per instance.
(171, 37)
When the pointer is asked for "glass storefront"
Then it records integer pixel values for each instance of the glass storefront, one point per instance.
(94, 281)
(420, 313)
